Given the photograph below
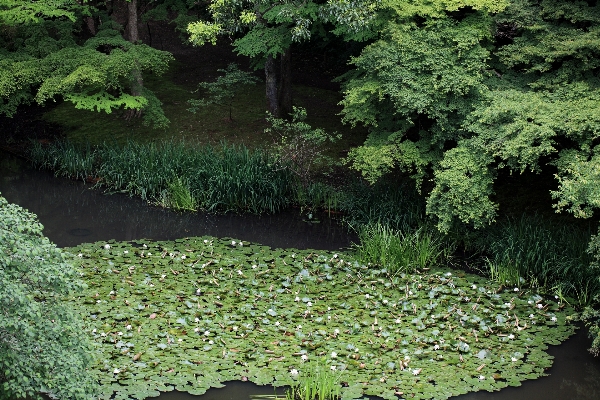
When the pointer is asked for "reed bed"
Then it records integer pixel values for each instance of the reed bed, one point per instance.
(227, 178)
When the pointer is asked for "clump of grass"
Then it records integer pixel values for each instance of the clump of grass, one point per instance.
(400, 251)
(531, 251)
(317, 382)
(229, 178)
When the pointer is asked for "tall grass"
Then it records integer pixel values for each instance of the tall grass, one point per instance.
(318, 382)
(214, 179)
(532, 251)
(400, 251)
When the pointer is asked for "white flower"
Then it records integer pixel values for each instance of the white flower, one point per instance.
(277, 323)
(79, 255)
(481, 377)
(309, 304)
(304, 357)
(416, 371)
(120, 333)
(180, 340)
(149, 253)
(209, 342)
(206, 333)
(171, 255)
(241, 243)
(531, 316)
(98, 301)
(384, 301)
(333, 354)
(511, 336)
(116, 371)
(329, 317)
(239, 271)
(233, 242)
(336, 331)
(144, 246)
(103, 334)
(297, 298)
(299, 327)
(196, 329)
(529, 302)
(253, 266)
(328, 308)
(196, 319)
(125, 252)
(513, 359)
(205, 241)
(107, 246)
(553, 319)
(111, 292)
(294, 372)
(183, 257)
(436, 347)
(128, 327)
(367, 296)
(221, 269)
(540, 305)
(474, 286)
(94, 330)
(332, 367)
(410, 292)
(163, 276)
(556, 297)
(516, 289)
(448, 274)
(335, 256)
(398, 321)
(235, 328)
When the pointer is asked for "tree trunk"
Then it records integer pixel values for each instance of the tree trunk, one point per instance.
(137, 82)
(271, 87)
(285, 87)
(132, 21)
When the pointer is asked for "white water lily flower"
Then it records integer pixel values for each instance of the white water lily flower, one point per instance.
(448, 274)
(277, 323)
(125, 252)
(205, 241)
(333, 354)
(436, 347)
(511, 336)
(220, 269)
(332, 368)
(553, 319)
(196, 319)
(239, 271)
(94, 330)
(294, 372)
(335, 256)
(336, 331)
(206, 333)
(398, 321)
(328, 308)
(481, 377)
(196, 329)
(235, 328)
(516, 289)
(513, 359)
(309, 304)
(107, 246)
(297, 298)
(329, 317)
(79, 255)
(98, 301)
(299, 327)
(183, 257)
(149, 253)
(384, 301)
(540, 305)
(171, 255)
(128, 327)
(111, 292)
(116, 371)
(241, 243)
(529, 302)
(233, 242)
(367, 296)
(474, 286)
(531, 316)
(120, 333)
(180, 340)
(253, 266)
(163, 276)
(144, 246)
(410, 292)
(304, 357)
(211, 342)
(103, 334)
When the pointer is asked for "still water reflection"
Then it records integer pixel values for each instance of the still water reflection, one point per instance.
(72, 213)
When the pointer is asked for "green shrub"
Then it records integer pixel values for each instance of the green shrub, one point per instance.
(43, 348)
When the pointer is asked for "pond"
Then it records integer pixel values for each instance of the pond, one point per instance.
(73, 214)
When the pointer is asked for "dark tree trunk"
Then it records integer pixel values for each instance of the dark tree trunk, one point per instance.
(271, 87)
(285, 86)
(137, 82)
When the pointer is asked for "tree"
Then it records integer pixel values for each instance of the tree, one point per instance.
(456, 91)
(270, 27)
(224, 89)
(43, 347)
(44, 57)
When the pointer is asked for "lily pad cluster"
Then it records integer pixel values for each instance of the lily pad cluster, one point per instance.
(191, 314)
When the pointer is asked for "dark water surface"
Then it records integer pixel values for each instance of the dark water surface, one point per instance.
(72, 213)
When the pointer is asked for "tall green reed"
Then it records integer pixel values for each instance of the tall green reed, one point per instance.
(316, 382)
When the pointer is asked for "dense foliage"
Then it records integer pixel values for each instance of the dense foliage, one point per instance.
(42, 346)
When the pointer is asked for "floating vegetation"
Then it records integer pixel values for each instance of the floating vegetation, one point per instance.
(194, 313)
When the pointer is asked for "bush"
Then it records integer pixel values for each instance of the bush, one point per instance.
(42, 346)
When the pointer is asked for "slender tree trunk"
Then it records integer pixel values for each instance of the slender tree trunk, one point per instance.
(285, 86)
(137, 82)
(271, 87)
